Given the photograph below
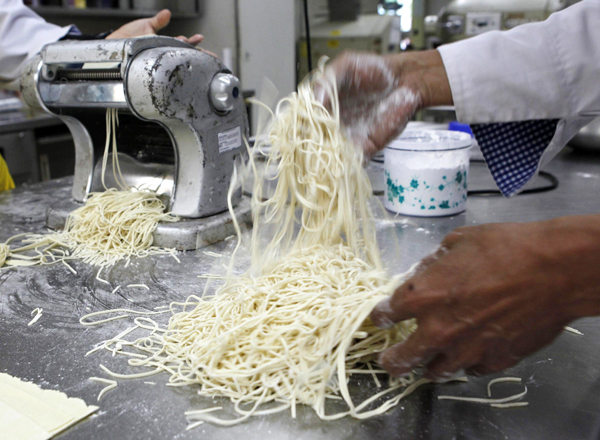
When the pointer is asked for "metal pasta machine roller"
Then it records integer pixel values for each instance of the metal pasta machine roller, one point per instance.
(182, 119)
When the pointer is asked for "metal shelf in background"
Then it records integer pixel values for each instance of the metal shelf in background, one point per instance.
(60, 11)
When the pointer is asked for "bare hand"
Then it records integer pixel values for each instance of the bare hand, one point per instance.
(494, 294)
(150, 26)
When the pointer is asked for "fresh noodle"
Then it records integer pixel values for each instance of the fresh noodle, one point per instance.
(38, 314)
(111, 226)
(294, 328)
(505, 402)
(569, 329)
(112, 384)
(509, 405)
(319, 174)
(142, 286)
(500, 380)
(4, 253)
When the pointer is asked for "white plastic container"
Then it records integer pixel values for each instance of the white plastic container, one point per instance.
(426, 173)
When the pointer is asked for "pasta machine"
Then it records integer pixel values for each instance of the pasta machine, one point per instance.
(182, 120)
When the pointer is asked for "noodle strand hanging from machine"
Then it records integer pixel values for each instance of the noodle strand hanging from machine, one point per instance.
(294, 328)
(111, 226)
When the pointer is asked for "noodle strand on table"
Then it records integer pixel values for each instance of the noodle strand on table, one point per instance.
(294, 327)
(110, 226)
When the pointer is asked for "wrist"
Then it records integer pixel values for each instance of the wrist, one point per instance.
(424, 72)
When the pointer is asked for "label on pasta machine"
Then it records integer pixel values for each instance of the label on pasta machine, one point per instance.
(230, 139)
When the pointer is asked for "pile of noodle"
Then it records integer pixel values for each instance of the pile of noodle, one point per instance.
(111, 225)
(294, 327)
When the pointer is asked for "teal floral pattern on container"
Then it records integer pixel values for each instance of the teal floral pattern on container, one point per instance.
(419, 194)
(426, 172)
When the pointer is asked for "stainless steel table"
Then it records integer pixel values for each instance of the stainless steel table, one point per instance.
(563, 379)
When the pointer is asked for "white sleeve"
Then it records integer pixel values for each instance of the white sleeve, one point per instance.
(537, 74)
(23, 33)
(546, 70)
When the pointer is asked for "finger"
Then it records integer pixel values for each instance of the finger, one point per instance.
(321, 95)
(430, 284)
(357, 76)
(395, 309)
(322, 87)
(448, 367)
(362, 72)
(392, 115)
(383, 316)
(212, 54)
(358, 136)
(453, 238)
(160, 20)
(195, 39)
(341, 71)
(370, 149)
(431, 259)
(402, 358)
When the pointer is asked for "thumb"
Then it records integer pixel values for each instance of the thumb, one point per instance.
(391, 310)
(160, 20)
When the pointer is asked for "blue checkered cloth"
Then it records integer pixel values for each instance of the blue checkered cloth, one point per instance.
(512, 150)
(73, 32)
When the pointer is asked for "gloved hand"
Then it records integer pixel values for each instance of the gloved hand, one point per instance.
(379, 94)
(150, 26)
(493, 294)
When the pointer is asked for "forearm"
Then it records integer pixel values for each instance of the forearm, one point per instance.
(542, 70)
(545, 70)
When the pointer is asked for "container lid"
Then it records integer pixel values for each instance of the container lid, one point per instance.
(459, 126)
(431, 140)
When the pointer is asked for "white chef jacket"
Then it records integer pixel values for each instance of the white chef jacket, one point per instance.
(534, 72)
(23, 33)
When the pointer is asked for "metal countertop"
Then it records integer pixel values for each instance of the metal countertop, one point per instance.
(563, 379)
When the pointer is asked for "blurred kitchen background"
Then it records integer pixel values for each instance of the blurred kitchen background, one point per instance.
(258, 39)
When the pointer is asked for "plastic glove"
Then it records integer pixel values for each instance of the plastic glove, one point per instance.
(150, 26)
(374, 103)
(493, 294)
(379, 94)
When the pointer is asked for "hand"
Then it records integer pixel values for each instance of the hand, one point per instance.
(150, 26)
(493, 294)
(379, 94)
